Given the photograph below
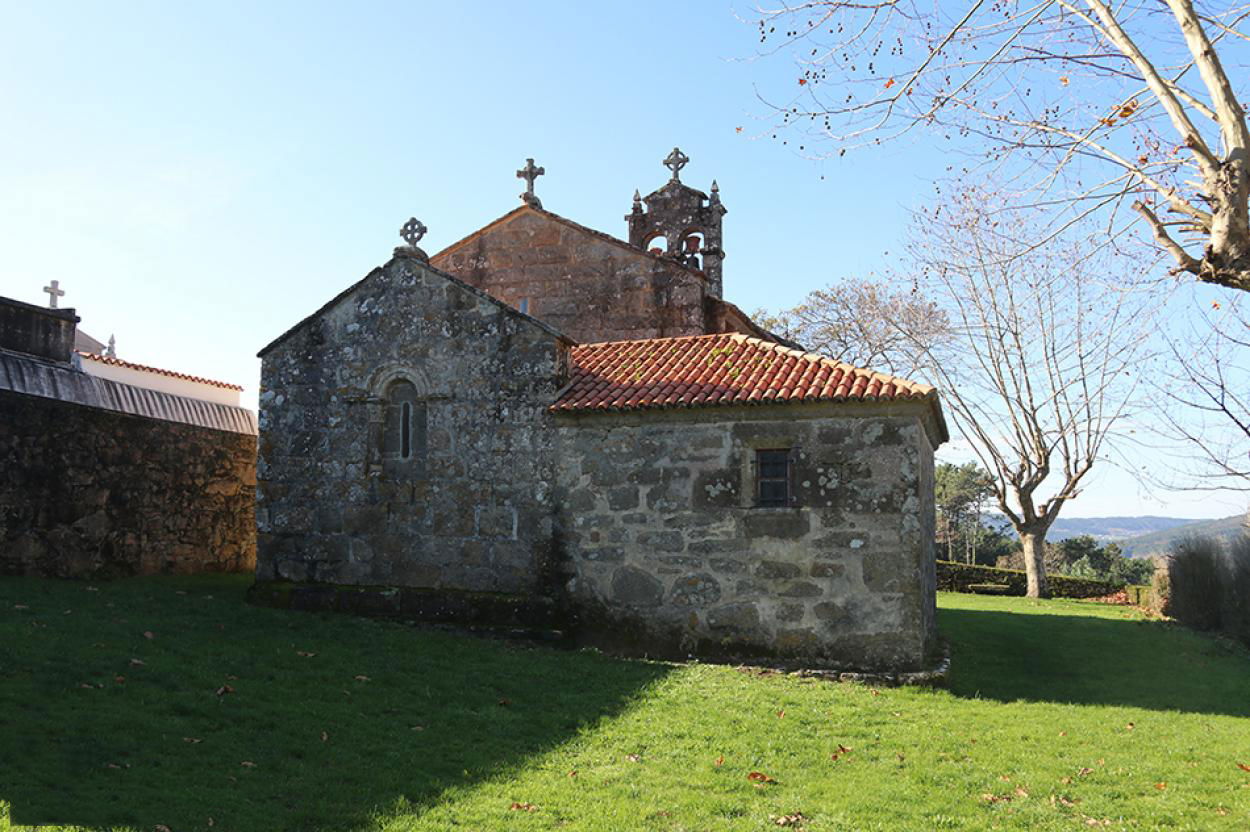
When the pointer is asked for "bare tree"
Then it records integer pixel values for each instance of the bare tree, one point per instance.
(1087, 106)
(1041, 366)
(862, 323)
(1205, 397)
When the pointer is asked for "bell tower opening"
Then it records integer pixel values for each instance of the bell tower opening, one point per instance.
(681, 222)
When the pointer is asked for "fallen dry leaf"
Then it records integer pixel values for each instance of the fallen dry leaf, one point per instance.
(1130, 726)
(524, 807)
(720, 761)
(1243, 767)
(361, 678)
(305, 654)
(20, 607)
(505, 702)
(418, 727)
(324, 736)
(137, 662)
(760, 777)
(248, 764)
(224, 689)
(1084, 771)
(1004, 778)
(1161, 786)
(93, 589)
(1021, 792)
(633, 758)
(192, 740)
(874, 692)
(572, 772)
(160, 827)
(121, 680)
(781, 714)
(842, 749)
(148, 634)
(796, 819)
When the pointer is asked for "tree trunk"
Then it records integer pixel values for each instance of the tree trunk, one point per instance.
(1034, 544)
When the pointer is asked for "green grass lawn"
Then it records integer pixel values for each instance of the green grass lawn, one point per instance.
(154, 703)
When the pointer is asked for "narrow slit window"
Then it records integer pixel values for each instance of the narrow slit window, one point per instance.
(405, 432)
(772, 476)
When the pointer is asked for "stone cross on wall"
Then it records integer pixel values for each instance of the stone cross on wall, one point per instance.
(529, 173)
(675, 162)
(54, 291)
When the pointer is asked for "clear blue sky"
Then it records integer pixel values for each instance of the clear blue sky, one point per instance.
(201, 176)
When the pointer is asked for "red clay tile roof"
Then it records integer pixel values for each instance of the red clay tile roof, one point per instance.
(723, 369)
(117, 362)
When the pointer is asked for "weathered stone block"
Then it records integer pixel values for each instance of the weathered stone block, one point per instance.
(741, 618)
(698, 590)
(635, 588)
(623, 498)
(661, 541)
(789, 524)
(801, 589)
(773, 570)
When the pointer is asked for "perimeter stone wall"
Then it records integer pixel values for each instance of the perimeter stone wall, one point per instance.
(669, 555)
(471, 509)
(87, 492)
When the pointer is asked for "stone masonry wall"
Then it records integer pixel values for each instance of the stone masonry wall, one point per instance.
(472, 509)
(583, 284)
(668, 552)
(93, 493)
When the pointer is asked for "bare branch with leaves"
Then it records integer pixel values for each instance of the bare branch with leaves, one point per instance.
(1050, 93)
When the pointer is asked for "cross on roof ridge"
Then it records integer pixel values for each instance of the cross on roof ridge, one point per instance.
(529, 173)
(675, 161)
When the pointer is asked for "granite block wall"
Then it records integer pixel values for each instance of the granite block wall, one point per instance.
(86, 492)
(470, 507)
(668, 550)
(582, 283)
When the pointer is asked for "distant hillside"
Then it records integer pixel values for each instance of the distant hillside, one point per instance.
(1106, 529)
(1156, 543)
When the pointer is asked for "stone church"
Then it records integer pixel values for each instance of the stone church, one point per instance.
(544, 426)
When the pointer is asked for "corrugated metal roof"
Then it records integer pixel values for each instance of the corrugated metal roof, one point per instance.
(32, 377)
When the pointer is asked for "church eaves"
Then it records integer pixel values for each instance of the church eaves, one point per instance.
(720, 370)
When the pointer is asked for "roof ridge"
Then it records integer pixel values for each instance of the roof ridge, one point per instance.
(120, 362)
(574, 224)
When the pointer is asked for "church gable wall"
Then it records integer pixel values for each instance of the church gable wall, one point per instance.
(586, 286)
(670, 555)
(89, 492)
(461, 501)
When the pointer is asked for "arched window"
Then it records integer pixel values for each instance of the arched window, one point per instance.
(403, 430)
(658, 244)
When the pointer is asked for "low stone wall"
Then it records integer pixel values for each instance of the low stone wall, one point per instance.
(86, 492)
(670, 555)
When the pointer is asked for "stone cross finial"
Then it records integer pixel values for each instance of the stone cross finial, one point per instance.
(412, 231)
(54, 291)
(111, 349)
(529, 173)
(675, 161)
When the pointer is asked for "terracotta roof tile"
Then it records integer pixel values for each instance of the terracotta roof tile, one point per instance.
(117, 362)
(722, 369)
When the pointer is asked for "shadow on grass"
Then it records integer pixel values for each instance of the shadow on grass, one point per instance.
(171, 702)
(1010, 656)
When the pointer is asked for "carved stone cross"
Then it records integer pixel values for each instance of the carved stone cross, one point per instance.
(54, 291)
(529, 173)
(675, 162)
(412, 231)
